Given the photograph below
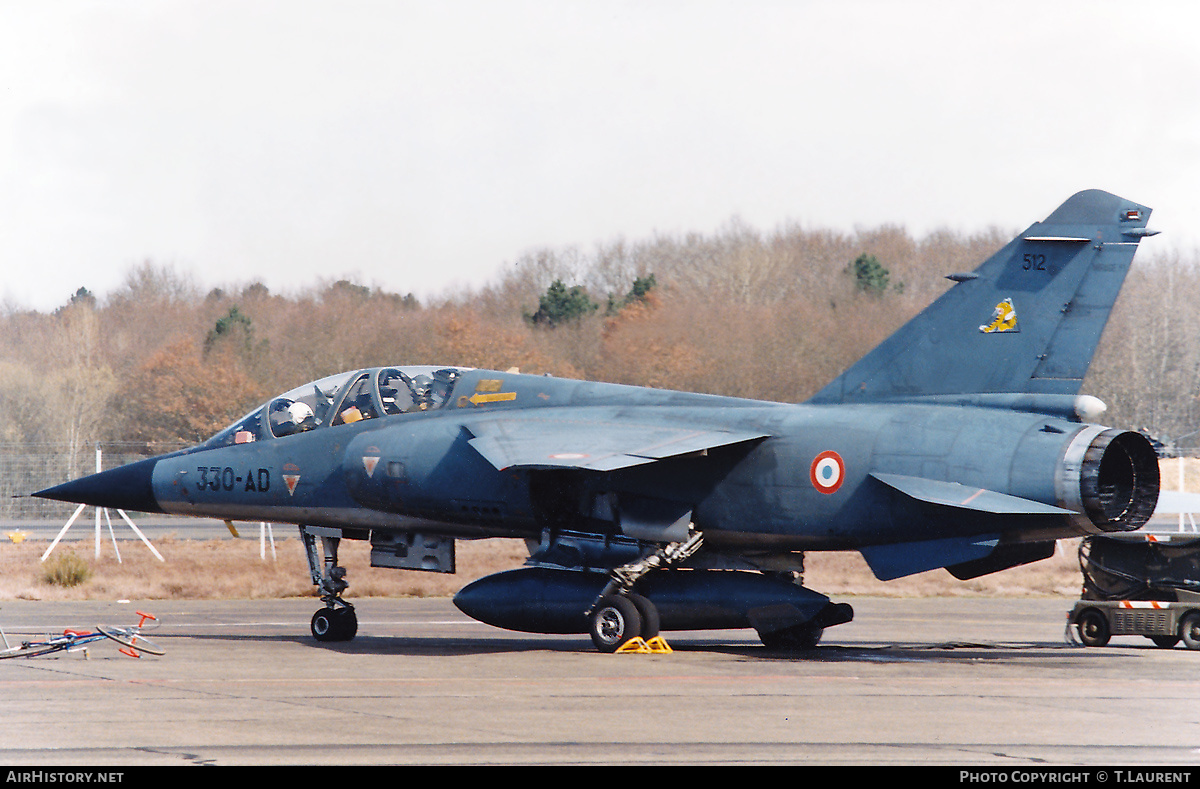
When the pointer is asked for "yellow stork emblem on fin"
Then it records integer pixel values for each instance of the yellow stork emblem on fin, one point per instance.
(1004, 319)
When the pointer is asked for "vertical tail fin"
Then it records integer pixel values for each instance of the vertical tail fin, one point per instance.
(1026, 321)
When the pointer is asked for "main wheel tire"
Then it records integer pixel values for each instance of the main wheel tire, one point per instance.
(651, 624)
(615, 621)
(1189, 630)
(1093, 628)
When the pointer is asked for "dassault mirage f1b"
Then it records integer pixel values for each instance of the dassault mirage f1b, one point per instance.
(960, 442)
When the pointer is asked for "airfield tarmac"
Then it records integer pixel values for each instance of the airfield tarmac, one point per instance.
(963, 681)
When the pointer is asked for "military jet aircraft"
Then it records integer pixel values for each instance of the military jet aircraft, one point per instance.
(960, 442)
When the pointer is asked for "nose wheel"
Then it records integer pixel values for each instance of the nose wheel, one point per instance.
(335, 624)
(337, 620)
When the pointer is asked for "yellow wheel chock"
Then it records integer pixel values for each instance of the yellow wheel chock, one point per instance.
(639, 646)
(659, 646)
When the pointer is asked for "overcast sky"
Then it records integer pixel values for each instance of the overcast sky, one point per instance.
(417, 146)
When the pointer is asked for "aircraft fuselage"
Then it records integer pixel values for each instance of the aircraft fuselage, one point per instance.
(809, 486)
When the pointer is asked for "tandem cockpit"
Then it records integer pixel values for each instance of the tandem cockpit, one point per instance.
(342, 399)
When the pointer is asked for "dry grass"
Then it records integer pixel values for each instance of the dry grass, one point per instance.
(1168, 469)
(232, 569)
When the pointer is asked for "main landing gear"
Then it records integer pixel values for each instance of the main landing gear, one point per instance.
(337, 620)
(619, 614)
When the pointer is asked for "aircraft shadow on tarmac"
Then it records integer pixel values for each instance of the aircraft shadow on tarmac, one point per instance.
(400, 646)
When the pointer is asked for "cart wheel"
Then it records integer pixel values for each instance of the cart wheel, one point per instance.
(1166, 642)
(1093, 628)
(1189, 630)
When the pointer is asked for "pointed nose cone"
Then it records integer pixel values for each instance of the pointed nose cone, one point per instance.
(124, 488)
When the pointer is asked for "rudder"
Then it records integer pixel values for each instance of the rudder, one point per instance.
(1028, 320)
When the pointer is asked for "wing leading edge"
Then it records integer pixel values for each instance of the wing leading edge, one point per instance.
(592, 444)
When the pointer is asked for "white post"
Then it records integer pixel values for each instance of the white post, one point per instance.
(108, 519)
(97, 509)
(1181, 489)
(141, 536)
(113, 537)
(265, 531)
(70, 520)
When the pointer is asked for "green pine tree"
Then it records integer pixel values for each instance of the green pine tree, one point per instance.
(561, 304)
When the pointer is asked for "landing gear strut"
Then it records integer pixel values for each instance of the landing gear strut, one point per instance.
(337, 620)
(619, 614)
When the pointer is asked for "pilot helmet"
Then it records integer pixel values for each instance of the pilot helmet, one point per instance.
(301, 415)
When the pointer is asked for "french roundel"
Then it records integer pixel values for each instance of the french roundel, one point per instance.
(827, 472)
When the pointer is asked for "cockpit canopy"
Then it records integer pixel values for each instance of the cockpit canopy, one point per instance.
(343, 399)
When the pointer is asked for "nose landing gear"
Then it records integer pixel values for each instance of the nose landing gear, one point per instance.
(337, 620)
